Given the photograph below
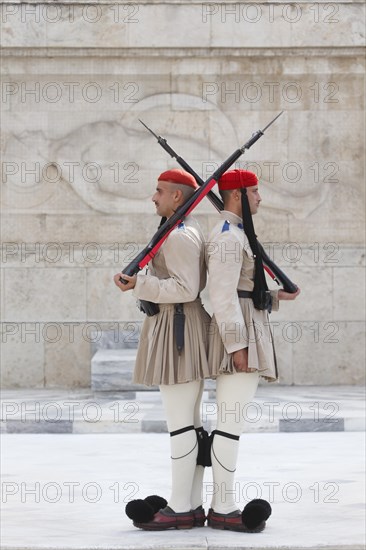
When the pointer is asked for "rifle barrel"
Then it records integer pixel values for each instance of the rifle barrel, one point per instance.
(287, 284)
(148, 253)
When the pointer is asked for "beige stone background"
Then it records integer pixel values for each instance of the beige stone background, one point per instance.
(78, 169)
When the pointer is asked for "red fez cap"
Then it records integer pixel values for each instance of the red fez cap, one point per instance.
(178, 176)
(236, 179)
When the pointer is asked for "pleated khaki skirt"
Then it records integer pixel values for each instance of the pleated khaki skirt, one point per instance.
(158, 361)
(257, 337)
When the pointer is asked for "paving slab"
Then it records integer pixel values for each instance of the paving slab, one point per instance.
(275, 408)
(69, 491)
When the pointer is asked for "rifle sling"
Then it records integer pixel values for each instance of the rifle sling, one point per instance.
(261, 296)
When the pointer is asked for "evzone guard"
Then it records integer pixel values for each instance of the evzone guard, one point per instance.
(172, 354)
(241, 348)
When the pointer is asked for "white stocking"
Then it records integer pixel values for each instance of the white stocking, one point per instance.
(197, 486)
(180, 402)
(233, 392)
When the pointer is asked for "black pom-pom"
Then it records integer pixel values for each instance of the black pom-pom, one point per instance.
(156, 502)
(255, 512)
(139, 510)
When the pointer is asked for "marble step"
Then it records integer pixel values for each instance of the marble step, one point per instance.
(112, 369)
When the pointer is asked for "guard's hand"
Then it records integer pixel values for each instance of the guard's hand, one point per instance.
(240, 359)
(282, 295)
(131, 281)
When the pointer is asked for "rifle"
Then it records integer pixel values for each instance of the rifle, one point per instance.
(272, 269)
(150, 250)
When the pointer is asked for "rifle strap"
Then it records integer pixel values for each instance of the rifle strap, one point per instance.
(261, 296)
(162, 221)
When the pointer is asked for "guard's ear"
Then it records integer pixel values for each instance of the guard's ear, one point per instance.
(178, 195)
(237, 194)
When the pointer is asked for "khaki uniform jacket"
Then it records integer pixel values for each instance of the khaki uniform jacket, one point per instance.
(176, 274)
(178, 271)
(231, 268)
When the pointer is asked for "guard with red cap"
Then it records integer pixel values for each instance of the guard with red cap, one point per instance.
(241, 348)
(178, 176)
(237, 179)
(172, 354)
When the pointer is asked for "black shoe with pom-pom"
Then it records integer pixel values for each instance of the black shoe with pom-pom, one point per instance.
(251, 520)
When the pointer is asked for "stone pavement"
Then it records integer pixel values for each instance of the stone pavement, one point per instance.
(63, 492)
(304, 453)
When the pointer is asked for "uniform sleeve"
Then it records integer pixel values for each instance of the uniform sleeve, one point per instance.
(182, 259)
(224, 267)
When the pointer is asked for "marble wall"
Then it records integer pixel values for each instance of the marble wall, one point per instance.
(78, 169)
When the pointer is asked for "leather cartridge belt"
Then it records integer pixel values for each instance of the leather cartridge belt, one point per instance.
(149, 308)
(245, 294)
(264, 301)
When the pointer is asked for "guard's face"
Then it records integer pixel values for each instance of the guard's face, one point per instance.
(254, 198)
(164, 199)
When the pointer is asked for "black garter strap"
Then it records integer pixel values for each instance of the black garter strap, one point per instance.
(229, 436)
(226, 434)
(182, 430)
